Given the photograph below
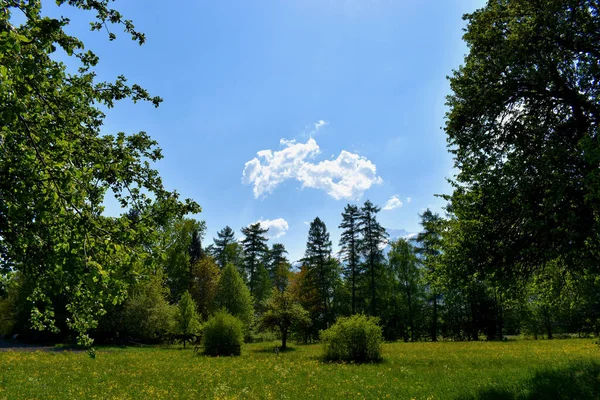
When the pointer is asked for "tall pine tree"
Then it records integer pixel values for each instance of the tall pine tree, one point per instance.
(195, 252)
(320, 268)
(350, 249)
(225, 238)
(427, 246)
(279, 266)
(255, 249)
(373, 237)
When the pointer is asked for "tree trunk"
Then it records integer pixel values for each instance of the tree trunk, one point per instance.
(353, 290)
(410, 316)
(283, 339)
(434, 321)
(500, 321)
(474, 329)
(547, 322)
(549, 330)
(373, 308)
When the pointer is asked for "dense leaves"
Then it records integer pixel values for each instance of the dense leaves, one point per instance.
(523, 128)
(357, 338)
(282, 312)
(234, 296)
(56, 166)
(223, 335)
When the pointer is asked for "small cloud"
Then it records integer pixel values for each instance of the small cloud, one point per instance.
(306, 223)
(408, 200)
(392, 203)
(277, 227)
(319, 124)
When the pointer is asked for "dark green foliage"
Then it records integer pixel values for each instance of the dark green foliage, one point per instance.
(428, 247)
(195, 250)
(357, 338)
(225, 238)
(223, 335)
(350, 250)
(321, 272)
(279, 266)
(255, 250)
(523, 128)
(373, 236)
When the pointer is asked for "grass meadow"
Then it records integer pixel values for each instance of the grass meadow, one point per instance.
(558, 369)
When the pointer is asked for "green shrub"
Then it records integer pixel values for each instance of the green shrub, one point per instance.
(223, 335)
(357, 338)
(147, 316)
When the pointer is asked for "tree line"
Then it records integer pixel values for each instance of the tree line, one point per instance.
(413, 285)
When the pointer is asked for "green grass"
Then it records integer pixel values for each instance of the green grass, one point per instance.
(567, 369)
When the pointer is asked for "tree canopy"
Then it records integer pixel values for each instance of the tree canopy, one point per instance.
(523, 128)
(57, 165)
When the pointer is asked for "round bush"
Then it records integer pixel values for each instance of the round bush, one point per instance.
(357, 338)
(223, 335)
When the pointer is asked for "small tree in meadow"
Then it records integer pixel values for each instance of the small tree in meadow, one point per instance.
(223, 335)
(187, 321)
(282, 311)
(356, 338)
(234, 296)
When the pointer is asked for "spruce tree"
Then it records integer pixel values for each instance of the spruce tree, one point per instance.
(226, 237)
(373, 236)
(255, 248)
(195, 251)
(428, 248)
(350, 249)
(320, 268)
(279, 266)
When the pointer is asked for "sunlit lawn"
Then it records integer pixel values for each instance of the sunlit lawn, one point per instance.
(494, 370)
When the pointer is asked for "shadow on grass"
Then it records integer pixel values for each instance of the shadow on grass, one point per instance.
(271, 349)
(578, 381)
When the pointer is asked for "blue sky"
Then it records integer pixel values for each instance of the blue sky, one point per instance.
(282, 111)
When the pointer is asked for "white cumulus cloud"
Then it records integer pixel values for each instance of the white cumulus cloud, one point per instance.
(277, 227)
(347, 176)
(392, 203)
(408, 199)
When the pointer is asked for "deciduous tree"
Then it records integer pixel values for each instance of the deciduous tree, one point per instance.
(282, 312)
(56, 168)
